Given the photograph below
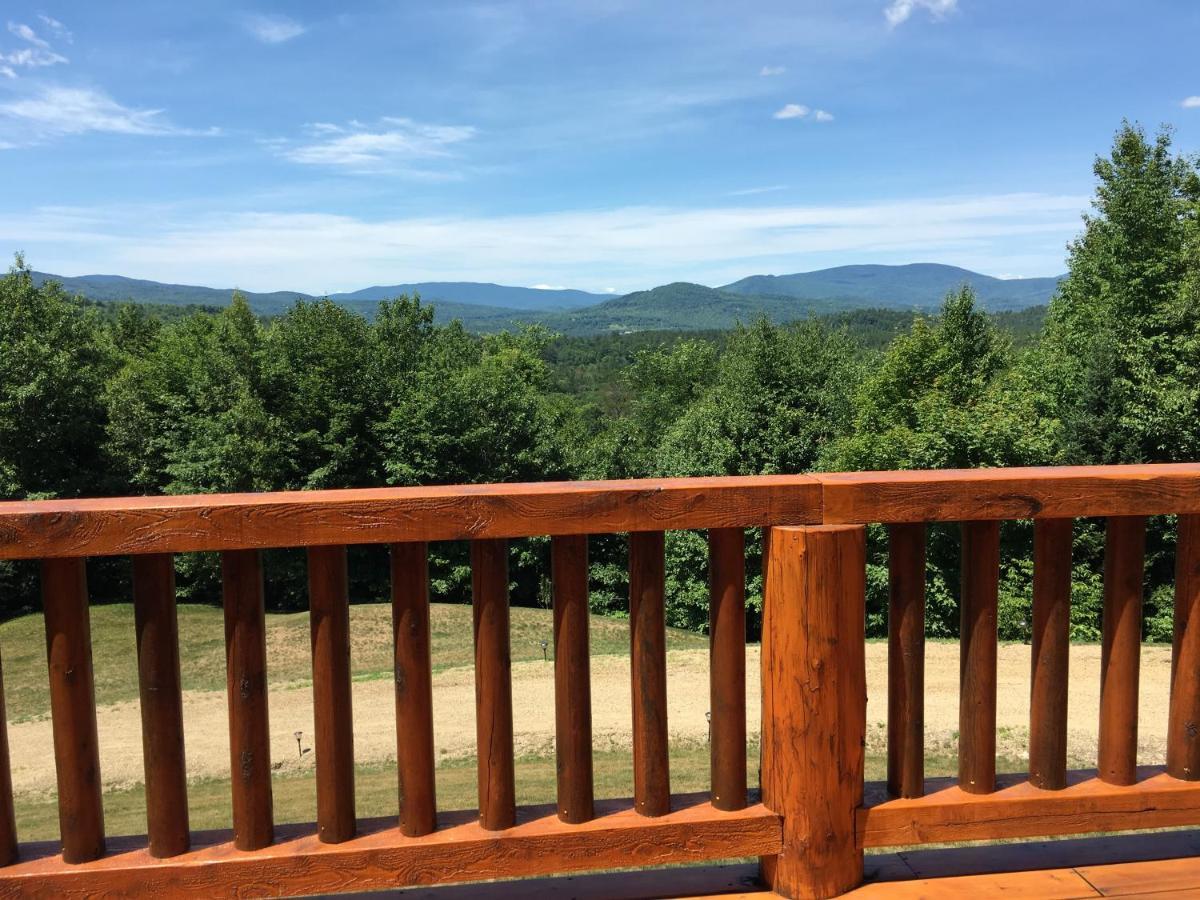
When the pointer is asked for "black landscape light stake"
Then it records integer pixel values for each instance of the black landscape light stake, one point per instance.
(298, 735)
(545, 656)
(708, 719)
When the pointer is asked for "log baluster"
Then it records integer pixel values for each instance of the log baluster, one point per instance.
(648, 671)
(572, 680)
(333, 721)
(493, 684)
(246, 689)
(73, 709)
(8, 822)
(1050, 653)
(157, 626)
(906, 660)
(1183, 729)
(977, 662)
(414, 688)
(1121, 647)
(727, 666)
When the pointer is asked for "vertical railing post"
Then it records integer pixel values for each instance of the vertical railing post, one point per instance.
(814, 712)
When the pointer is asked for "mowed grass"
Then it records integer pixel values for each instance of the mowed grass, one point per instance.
(202, 648)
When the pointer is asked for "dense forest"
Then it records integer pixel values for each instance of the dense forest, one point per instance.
(110, 399)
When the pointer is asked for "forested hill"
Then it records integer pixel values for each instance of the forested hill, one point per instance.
(682, 306)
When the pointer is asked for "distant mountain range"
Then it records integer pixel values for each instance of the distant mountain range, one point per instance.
(681, 305)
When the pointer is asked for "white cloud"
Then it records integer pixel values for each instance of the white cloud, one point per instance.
(549, 287)
(272, 29)
(57, 28)
(393, 144)
(55, 111)
(36, 56)
(7, 72)
(792, 111)
(626, 248)
(899, 11)
(25, 33)
(821, 115)
(767, 189)
(1191, 102)
(772, 71)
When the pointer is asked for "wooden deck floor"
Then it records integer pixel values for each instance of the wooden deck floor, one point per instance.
(1164, 866)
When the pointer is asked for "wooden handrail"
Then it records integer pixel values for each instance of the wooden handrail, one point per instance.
(813, 823)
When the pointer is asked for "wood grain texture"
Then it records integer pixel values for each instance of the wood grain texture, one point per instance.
(572, 678)
(814, 705)
(906, 660)
(333, 720)
(414, 688)
(131, 525)
(246, 691)
(648, 673)
(1121, 647)
(955, 495)
(727, 666)
(73, 709)
(1018, 809)
(159, 689)
(381, 858)
(1183, 726)
(8, 823)
(493, 684)
(1050, 653)
(977, 661)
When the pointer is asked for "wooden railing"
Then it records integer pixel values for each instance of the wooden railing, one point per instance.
(812, 824)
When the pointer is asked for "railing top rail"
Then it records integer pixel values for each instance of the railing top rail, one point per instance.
(132, 525)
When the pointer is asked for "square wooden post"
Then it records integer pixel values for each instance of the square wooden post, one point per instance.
(814, 705)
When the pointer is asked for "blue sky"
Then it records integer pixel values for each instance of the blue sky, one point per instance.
(597, 144)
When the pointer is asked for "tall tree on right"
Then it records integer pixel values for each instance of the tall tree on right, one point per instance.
(1120, 360)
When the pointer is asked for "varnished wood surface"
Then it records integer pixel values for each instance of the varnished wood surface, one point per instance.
(648, 673)
(572, 678)
(493, 684)
(73, 708)
(130, 525)
(727, 666)
(1018, 809)
(333, 720)
(1121, 648)
(414, 688)
(1050, 653)
(906, 660)
(161, 696)
(8, 824)
(814, 705)
(1183, 728)
(955, 495)
(381, 857)
(977, 661)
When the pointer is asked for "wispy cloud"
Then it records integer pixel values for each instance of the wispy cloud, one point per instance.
(39, 54)
(767, 189)
(272, 29)
(800, 111)
(1191, 102)
(625, 247)
(392, 145)
(771, 71)
(57, 28)
(900, 11)
(25, 33)
(57, 111)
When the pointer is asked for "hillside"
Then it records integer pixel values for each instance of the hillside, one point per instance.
(480, 294)
(918, 284)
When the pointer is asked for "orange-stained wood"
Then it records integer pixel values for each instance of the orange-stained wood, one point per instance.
(648, 671)
(329, 622)
(380, 857)
(953, 495)
(814, 705)
(572, 678)
(1050, 653)
(727, 665)
(246, 689)
(116, 526)
(1121, 647)
(73, 709)
(157, 627)
(1183, 728)
(8, 824)
(906, 660)
(414, 688)
(493, 684)
(1018, 809)
(977, 662)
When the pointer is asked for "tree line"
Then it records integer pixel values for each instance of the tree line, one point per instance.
(119, 401)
